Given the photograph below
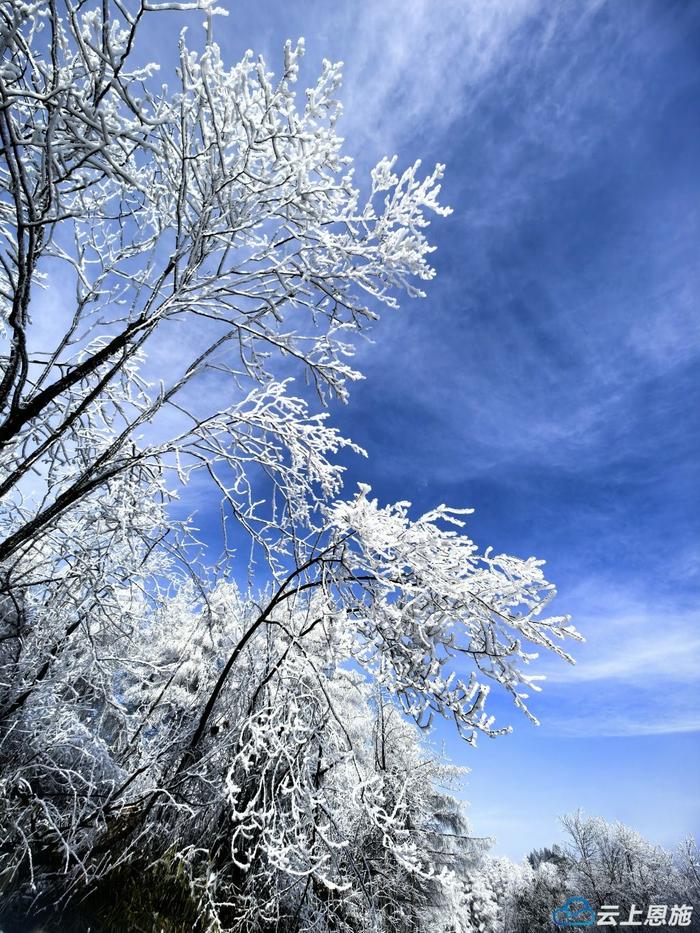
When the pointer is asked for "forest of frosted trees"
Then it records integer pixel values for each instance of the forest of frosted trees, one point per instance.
(233, 737)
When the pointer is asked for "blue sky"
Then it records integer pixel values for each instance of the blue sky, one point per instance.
(551, 377)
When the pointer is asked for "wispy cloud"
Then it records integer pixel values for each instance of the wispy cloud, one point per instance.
(631, 637)
(621, 726)
(638, 674)
(421, 64)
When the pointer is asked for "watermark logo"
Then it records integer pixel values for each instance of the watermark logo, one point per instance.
(574, 912)
(577, 912)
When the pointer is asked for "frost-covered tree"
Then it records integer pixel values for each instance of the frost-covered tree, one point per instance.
(613, 864)
(606, 863)
(186, 741)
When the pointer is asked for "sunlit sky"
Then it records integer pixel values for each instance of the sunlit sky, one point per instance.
(550, 378)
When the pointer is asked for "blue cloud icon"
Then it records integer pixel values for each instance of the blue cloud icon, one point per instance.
(574, 912)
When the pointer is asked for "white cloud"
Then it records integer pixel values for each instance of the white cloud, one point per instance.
(416, 64)
(631, 637)
(638, 674)
(621, 725)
